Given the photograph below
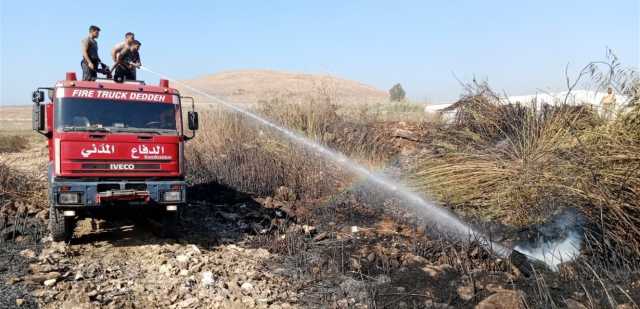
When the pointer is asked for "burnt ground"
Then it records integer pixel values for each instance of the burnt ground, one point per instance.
(17, 238)
(238, 251)
(123, 262)
(235, 250)
(12, 265)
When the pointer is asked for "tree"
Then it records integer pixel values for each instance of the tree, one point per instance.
(396, 93)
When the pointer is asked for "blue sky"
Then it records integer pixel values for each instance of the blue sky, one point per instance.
(518, 46)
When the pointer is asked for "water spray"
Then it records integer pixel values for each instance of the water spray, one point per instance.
(555, 242)
(435, 214)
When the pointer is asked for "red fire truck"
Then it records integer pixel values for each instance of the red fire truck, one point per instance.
(112, 146)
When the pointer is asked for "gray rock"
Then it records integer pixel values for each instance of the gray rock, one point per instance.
(321, 236)
(465, 292)
(500, 300)
(182, 259)
(247, 287)
(309, 229)
(207, 279)
(78, 276)
(50, 282)
(28, 253)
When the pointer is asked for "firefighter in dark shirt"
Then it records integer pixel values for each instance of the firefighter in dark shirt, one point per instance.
(127, 62)
(90, 58)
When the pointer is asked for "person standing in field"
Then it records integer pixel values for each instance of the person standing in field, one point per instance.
(121, 46)
(608, 104)
(90, 58)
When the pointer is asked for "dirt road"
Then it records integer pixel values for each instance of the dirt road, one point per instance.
(123, 264)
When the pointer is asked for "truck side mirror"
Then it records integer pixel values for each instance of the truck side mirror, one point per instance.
(37, 96)
(193, 121)
(38, 116)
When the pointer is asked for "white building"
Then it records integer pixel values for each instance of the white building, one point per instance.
(576, 97)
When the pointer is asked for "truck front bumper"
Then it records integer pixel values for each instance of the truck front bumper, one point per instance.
(73, 193)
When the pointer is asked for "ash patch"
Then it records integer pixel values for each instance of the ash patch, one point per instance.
(20, 242)
(12, 267)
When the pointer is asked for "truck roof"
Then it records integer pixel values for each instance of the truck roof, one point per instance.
(108, 84)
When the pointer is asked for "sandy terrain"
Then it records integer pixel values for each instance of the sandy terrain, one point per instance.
(15, 118)
(250, 86)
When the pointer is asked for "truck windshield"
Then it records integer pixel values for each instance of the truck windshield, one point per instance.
(75, 114)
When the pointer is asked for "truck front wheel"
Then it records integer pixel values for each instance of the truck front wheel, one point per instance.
(169, 224)
(61, 227)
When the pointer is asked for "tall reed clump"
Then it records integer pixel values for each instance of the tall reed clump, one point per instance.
(520, 163)
(495, 158)
(606, 169)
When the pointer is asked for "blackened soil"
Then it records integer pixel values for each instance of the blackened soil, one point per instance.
(18, 232)
(13, 266)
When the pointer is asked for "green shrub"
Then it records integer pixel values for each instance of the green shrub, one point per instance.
(396, 93)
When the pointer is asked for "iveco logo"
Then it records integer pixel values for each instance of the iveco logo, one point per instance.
(121, 166)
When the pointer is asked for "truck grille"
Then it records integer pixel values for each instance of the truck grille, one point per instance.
(120, 166)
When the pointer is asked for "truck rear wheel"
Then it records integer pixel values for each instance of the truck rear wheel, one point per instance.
(61, 227)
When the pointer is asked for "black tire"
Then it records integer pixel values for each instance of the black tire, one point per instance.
(169, 224)
(61, 227)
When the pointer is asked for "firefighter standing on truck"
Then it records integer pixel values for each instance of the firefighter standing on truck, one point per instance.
(127, 62)
(121, 46)
(90, 58)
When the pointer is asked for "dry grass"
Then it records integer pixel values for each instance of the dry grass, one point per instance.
(606, 171)
(514, 163)
(520, 164)
(13, 143)
(389, 112)
(232, 150)
(17, 187)
(497, 158)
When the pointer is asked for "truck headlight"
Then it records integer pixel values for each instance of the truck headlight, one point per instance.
(69, 198)
(171, 196)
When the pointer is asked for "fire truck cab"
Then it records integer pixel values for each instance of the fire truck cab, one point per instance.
(113, 146)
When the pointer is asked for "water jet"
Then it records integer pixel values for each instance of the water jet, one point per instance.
(437, 216)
